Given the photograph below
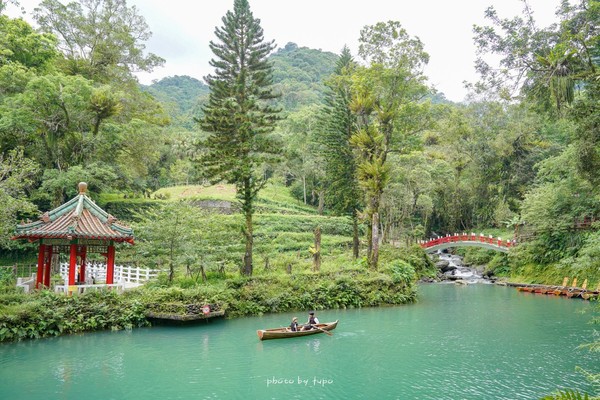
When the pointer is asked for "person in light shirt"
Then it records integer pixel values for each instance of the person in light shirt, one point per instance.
(312, 320)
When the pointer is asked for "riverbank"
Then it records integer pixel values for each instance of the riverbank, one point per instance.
(44, 314)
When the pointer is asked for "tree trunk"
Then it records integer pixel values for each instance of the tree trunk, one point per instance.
(355, 240)
(171, 271)
(172, 253)
(203, 274)
(369, 236)
(248, 208)
(249, 245)
(384, 229)
(304, 187)
(374, 259)
(321, 201)
(96, 128)
(317, 253)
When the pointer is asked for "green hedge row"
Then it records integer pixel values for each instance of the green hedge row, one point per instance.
(46, 314)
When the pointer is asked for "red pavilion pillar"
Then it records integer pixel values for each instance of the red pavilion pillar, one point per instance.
(72, 264)
(47, 265)
(110, 265)
(40, 269)
(82, 257)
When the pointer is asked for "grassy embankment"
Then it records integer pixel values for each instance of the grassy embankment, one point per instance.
(283, 236)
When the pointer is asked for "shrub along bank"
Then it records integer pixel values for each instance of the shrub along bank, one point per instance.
(272, 294)
(45, 314)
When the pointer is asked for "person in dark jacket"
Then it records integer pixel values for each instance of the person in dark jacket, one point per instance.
(294, 325)
(312, 320)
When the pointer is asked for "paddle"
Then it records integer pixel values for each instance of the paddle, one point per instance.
(322, 330)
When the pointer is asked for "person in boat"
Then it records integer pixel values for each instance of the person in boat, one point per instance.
(294, 325)
(312, 320)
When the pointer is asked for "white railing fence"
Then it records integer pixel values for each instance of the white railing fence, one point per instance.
(79, 289)
(129, 274)
(123, 274)
(28, 284)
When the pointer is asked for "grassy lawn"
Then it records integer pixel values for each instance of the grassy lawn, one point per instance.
(273, 198)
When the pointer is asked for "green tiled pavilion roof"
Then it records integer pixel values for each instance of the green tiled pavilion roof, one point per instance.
(79, 218)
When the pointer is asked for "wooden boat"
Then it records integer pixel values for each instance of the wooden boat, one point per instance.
(591, 294)
(284, 333)
(183, 317)
(565, 290)
(526, 289)
(180, 312)
(576, 292)
(551, 289)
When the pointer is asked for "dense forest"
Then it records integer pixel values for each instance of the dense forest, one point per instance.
(360, 136)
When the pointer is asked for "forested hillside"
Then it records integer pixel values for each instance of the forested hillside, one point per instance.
(299, 74)
(182, 97)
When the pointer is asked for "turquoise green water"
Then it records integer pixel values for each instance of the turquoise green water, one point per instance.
(473, 342)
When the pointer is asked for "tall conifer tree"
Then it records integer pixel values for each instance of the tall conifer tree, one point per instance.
(238, 116)
(342, 194)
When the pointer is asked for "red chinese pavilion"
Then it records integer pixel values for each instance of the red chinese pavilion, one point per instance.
(77, 228)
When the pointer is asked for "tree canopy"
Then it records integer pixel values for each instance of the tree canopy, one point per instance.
(102, 40)
(238, 116)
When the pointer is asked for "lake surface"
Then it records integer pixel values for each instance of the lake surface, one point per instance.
(457, 342)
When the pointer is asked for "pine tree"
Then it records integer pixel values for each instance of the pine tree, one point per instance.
(343, 194)
(238, 116)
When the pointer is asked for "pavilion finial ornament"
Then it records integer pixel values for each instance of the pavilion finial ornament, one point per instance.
(45, 217)
(82, 187)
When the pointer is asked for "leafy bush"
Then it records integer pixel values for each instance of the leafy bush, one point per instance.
(402, 273)
(567, 395)
(499, 265)
(478, 256)
(48, 314)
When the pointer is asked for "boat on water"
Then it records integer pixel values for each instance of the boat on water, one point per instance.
(591, 295)
(284, 333)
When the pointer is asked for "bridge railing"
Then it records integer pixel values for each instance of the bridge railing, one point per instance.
(465, 237)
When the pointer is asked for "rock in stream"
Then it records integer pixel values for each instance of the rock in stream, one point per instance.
(452, 268)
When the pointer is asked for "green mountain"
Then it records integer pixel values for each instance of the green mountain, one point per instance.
(180, 95)
(298, 74)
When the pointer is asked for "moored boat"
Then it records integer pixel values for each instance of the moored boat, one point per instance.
(284, 333)
(527, 288)
(564, 290)
(576, 292)
(591, 294)
(551, 289)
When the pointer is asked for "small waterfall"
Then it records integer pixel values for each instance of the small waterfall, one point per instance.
(452, 269)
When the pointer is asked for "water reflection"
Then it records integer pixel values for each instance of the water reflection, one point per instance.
(314, 345)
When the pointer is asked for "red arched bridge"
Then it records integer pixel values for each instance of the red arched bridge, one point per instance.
(465, 239)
